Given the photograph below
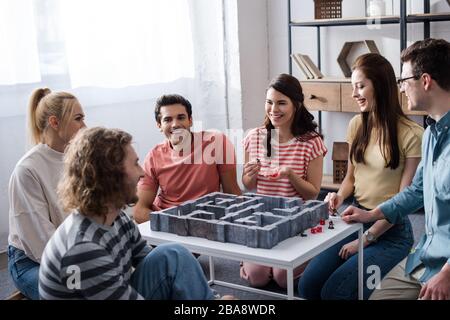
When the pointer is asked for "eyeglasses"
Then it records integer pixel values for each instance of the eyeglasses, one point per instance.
(401, 80)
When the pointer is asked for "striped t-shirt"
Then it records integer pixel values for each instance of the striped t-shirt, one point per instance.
(86, 260)
(295, 154)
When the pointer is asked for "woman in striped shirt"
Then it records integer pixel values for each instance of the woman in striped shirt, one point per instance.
(282, 158)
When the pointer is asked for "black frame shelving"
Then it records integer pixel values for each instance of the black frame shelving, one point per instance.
(402, 20)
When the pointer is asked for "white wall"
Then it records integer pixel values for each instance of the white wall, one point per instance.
(254, 58)
(215, 89)
(304, 40)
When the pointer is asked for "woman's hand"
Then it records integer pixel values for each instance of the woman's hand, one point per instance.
(252, 168)
(276, 173)
(334, 201)
(284, 172)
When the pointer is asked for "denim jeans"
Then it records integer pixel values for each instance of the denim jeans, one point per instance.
(329, 277)
(170, 271)
(24, 272)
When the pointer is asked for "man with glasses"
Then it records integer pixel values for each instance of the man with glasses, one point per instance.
(425, 273)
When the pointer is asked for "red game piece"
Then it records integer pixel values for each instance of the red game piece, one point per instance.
(318, 229)
(274, 175)
(313, 230)
(322, 222)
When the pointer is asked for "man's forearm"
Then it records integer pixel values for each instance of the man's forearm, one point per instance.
(141, 214)
(377, 214)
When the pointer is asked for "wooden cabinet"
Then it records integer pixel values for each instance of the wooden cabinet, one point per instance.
(322, 96)
(348, 104)
(336, 95)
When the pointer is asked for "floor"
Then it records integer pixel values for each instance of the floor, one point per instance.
(224, 270)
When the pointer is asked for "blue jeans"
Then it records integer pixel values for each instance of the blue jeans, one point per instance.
(329, 277)
(24, 272)
(170, 271)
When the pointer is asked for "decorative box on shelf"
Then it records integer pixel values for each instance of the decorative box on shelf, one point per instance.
(327, 9)
(340, 161)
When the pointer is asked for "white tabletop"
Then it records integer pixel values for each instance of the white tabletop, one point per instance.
(288, 253)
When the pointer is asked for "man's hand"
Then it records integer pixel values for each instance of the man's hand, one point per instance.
(353, 214)
(438, 287)
(350, 249)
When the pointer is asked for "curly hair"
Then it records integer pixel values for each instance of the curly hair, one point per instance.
(93, 178)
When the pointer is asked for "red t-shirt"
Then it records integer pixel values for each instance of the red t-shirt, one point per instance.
(179, 177)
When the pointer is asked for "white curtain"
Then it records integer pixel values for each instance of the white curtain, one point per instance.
(19, 60)
(119, 43)
(104, 43)
(117, 57)
(111, 51)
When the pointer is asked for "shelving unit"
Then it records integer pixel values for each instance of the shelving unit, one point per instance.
(402, 20)
(333, 94)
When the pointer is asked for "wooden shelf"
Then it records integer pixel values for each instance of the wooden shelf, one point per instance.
(326, 79)
(425, 17)
(335, 95)
(420, 17)
(327, 183)
(346, 21)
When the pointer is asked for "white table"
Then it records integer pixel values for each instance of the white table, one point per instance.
(288, 254)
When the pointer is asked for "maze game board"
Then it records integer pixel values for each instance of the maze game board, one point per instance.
(252, 220)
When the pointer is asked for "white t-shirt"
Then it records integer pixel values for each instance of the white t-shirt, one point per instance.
(34, 208)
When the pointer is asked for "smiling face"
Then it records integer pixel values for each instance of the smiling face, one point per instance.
(411, 88)
(175, 123)
(74, 123)
(363, 91)
(279, 109)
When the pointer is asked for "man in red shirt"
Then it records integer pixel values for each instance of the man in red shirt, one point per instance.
(187, 165)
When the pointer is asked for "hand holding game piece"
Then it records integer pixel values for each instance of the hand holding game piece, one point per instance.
(252, 168)
(272, 173)
(334, 212)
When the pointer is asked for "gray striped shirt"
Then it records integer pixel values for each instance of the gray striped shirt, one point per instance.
(87, 260)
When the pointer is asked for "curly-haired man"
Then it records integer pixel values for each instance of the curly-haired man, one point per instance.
(93, 253)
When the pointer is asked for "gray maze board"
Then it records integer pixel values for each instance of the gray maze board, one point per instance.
(253, 220)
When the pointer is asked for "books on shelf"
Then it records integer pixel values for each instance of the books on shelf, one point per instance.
(301, 66)
(306, 66)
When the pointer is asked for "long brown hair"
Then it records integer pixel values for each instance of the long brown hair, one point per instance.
(303, 126)
(385, 113)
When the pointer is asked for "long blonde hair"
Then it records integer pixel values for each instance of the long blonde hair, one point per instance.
(43, 104)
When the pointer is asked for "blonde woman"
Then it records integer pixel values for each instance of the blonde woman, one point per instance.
(34, 209)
